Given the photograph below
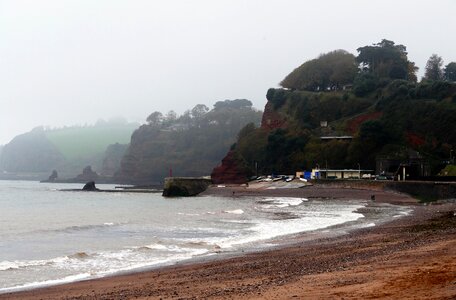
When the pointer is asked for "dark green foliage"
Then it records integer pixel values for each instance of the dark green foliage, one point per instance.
(364, 84)
(309, 109)
(277, 97)
(386, 111)
(434, 90)
(330, 71)
(415, 116)
(386, 59)
(450, 72)
(233, 104)
(331, 154)
(280, 149)
(434, 69)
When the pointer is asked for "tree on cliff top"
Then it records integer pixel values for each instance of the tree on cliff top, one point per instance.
(234, 104)
(434, 70)
(329, 71)
(450, 71)
(155, 118)
(387, 60)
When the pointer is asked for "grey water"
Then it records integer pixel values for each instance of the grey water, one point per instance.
(48, 236)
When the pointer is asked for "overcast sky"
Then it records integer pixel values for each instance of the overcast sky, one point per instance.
(74, 62)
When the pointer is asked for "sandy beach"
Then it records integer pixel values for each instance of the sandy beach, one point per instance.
(413, 257)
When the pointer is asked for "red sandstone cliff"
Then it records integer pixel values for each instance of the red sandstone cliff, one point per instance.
(230, 171)
(271, 118)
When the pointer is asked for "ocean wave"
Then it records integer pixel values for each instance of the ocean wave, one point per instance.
(87, 227)
(79, 255)
(17, 264)
(21, 264)
(61, 260)
(281, 202)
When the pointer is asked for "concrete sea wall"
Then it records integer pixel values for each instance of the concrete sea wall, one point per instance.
(185, 186)
(422, 190)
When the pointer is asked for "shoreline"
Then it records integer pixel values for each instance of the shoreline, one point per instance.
(259, 274)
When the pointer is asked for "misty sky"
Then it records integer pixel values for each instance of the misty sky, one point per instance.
(74, 62)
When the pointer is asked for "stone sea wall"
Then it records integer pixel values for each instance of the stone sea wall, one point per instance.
(185, 186)
(422, 190)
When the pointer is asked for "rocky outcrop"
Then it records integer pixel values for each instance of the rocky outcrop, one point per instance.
(112, 158)
(230, 171)
(54, 175)
(271, 118)
(90, 187)
(87, 175)
(185, 186)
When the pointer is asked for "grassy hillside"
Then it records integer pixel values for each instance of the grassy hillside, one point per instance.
(83, 142)
(67, 150)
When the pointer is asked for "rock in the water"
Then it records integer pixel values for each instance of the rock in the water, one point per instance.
(53, 176)
(90, 186)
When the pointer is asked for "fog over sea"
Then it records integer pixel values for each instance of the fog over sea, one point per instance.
(49, 236)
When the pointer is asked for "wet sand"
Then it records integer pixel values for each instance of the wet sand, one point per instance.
(412, 257)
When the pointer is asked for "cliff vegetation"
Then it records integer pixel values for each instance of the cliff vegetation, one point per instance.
(188, 145)
(345, 111)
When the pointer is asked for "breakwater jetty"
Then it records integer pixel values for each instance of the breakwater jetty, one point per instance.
(185, 186)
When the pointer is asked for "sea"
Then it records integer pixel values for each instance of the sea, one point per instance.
(49, 236)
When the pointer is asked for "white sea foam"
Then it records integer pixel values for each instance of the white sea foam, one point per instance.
(11, 265)
(36, 284)
(20, 264)
(235, 211)
(282, 202)
(268, 229)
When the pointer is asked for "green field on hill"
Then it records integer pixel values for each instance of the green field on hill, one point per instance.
(81, 142)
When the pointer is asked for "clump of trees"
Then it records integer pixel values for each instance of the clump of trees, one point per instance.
(450, 71)
(330, 71)
(374, 67)
(387, 60)
(436, 72)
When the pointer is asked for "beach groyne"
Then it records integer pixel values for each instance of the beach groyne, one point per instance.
(422, 190)
(185, 186)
